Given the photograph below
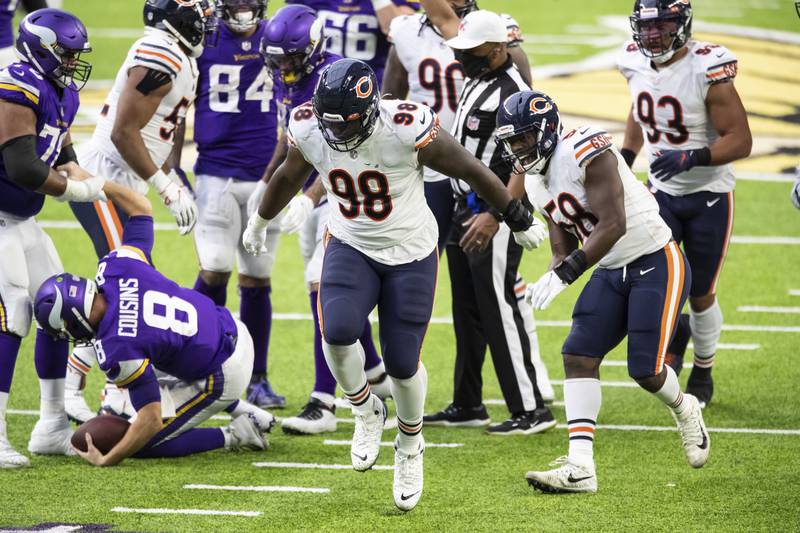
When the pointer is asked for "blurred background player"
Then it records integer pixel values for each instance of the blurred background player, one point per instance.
(589, 196)
(687, 113)
(795, 193)
(140, 322)
(236, 129)
(294, 50)
(135, 133)
(38, 103)
(7, 10)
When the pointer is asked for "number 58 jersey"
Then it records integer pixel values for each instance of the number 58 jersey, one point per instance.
(669, 104)
(376, 191)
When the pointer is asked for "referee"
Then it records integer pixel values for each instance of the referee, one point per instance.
(482, 256)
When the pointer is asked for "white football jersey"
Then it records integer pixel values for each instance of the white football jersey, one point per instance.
(435, 78)
(376, 191)
(669, 103)
(160, 51)
(560, 195)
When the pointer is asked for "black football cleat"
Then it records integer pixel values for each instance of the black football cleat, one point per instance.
(456, 416)
(701, 385)
(525, 423)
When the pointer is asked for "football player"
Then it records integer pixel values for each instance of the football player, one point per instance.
(7, 10)
(235, 130)
(294, 50)
(139, 122)
(140, 322)
(795, 193)
(599, 214)
(688, 115)
(38, 102)
(380, 245)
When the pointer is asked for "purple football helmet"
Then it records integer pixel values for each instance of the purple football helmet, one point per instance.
(241, 16)
(293, 43)
(52, 41)
(62, 306)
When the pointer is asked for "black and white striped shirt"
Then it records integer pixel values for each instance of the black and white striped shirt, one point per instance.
(476, 118)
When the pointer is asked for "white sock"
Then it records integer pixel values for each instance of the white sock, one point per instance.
(706, 330)
(582, 400)
(51, 398)
(228, 435)
(670, 393)
(347, 366)
(409, 401)
(3, 405)
(376, 371)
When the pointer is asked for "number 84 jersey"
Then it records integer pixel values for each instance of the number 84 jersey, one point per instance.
(376, 190)
(669, 103)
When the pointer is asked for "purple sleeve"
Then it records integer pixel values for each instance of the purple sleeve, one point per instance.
(144, 389)
(412, 5)
(139, 234)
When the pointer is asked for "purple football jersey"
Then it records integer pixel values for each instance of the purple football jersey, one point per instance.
(236, 118)
(353, 31)
(55, 110)
(7, 9)
(151, 320)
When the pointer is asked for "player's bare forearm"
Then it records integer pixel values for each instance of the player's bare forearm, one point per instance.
(634, 138)
(516, 185)
(129, 201)
(316, 192)
(520, 59)
(395, 77)
(442, 16)
(175, 155)
(562, 243)
(277, 157)
(144, 427)
(284, 184)
(729, 118)
(605, 194)
(447, 156)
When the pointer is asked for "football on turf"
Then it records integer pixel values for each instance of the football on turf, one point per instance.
(106, 431)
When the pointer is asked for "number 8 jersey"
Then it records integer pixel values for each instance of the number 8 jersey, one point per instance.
(669, 104)
(376, 191)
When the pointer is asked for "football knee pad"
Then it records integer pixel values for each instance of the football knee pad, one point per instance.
(706, 328)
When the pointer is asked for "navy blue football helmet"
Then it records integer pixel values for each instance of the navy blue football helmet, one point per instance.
(346, 103)
(192, 22)
(528, 127)
(661, 27)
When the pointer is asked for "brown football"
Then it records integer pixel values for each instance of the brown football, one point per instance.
(106, 431)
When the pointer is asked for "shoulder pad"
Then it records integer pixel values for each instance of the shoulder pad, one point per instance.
(157, 54)
(586, 143)
(21, 84)
(715, 63)
(401, 24)
(301, 123)
(413, 122)
(628, 57)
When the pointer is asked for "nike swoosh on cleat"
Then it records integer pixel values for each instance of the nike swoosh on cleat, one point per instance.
(643, 272)
(359, 457)
(575, 480)
(712, 202)
(422, 119)
(405, 497)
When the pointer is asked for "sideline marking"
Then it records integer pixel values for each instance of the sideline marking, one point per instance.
(258, 488)
(755, 431)
(332, 442)
(272, 464)
(208, 512)
(767, 309)
(794, 292)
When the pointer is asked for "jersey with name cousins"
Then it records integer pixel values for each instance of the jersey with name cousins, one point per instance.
(236, 117)
(151, 321)
(55, 109)
(376, 191)
(352, 29)
(159, 51)
(669, 103)
(560, 194)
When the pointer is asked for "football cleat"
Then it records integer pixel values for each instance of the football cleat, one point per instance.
(260, 394)
(116, 401)
(525, 423)
(367, 435)
(455, 416)
(568, 477)
(696, 442)
(11, 458)
(408, 474)
(701, 385)
(75, 406)
(247, 434)
(51, 437)
(315, 418)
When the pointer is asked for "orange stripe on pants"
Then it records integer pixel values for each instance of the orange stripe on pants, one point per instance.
(713, 287)
(101, 217)
(671, 310)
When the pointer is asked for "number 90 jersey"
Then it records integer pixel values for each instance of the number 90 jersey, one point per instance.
(561, 196)
(377, 189)
(670, 106)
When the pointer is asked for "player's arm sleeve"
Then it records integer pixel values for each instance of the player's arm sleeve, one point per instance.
(156, 57)
(427, 126)
(588, 143)
(144, 390)
(720, 66)
(138, 234)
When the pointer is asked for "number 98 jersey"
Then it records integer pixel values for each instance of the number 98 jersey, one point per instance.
(376, 191)
(670, 106)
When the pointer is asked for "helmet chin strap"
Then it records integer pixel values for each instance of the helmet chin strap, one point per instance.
(663, 58)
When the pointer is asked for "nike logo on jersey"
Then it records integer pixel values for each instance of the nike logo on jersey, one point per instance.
(18, 72)
(711, 203)
(405, 497)
(643, 272)
(720, 54)
(576, 479)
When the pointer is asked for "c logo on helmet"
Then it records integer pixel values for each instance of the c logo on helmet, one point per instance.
(364, 87)
(540, 105)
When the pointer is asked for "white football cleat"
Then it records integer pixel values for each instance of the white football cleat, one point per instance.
(408, 475)
(246, 434)
(568, 477)
(315, 418)
(75, 406)
(51, 437)
(367, 435)
(696, 442)
(11, 458)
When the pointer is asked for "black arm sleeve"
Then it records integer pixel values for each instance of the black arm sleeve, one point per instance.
(66, 155)
(23, 166)
(33, 5)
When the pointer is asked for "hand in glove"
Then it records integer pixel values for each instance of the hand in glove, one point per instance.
(177, 198)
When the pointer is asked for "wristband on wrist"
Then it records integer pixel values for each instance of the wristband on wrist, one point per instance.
(258, 222)
(498, 216)
(628, 155)
(517, 217)
(702, 157)
(159, 181)
(572, 267)
(67, 155)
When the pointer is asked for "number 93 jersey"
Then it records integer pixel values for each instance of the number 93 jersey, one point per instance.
(561, 196)
(670, 106)
(376, 191)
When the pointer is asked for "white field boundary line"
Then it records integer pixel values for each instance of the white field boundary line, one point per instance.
(750, 431)
(768, 309)
(257, 488)
(317, 466)
(500, 401)
(333, 442)
(794, 292)
(206, 512)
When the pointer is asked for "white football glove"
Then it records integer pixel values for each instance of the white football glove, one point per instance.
(255, 235)
(297, 212)
(254, 200)
(177, 198)
(796, 190)
(87, 190)
(540, 294)
(532, 237)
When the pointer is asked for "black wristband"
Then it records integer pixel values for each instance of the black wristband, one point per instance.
(702, 157)
(571, 267)
(517, 216)
(67, 155)
(629, 156)
(498, 216)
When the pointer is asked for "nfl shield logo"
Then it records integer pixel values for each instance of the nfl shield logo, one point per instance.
(473, 123)
(247, 46)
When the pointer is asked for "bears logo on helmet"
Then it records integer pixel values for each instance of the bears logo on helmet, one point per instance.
(361, 92)
(540, 105)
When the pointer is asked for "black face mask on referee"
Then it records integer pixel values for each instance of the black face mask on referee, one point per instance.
(475, 65)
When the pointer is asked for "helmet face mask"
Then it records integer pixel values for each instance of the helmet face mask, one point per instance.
(661, 27)
(465, 9)
(242, 16)
(522, 151)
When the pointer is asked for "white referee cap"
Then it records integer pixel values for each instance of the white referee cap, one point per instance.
(477, 28)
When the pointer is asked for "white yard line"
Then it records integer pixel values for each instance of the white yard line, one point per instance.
(612, 384)
(258, 488)
(752, 431)
(794, 292)
(208, 512)
(611, 362)
(24, 412)
(776, 240)
(318, 466)
(332, 442)
(768, 309)
(732, 346)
